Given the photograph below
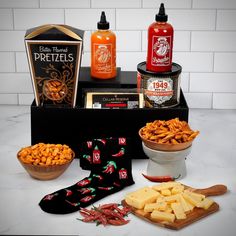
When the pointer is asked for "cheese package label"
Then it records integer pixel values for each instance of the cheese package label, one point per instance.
(113, 100)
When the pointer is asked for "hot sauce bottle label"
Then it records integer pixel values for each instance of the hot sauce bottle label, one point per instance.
(89, 144)
(123, 174)
(159, 90)
(96, 156)
(161, 53)
(122, 141)
(102, 58)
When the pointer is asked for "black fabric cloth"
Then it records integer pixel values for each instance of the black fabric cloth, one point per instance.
(111, 171)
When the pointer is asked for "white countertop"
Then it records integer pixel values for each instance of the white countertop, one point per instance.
(211, 161)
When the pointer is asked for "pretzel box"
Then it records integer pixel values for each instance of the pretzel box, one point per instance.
(54, 56)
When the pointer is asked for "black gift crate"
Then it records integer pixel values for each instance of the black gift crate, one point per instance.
(86, 82)
(74, 125)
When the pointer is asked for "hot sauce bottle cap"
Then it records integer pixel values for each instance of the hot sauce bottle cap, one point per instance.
(103, 24)
(161, 16)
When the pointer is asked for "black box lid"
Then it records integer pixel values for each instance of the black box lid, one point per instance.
(54, 32)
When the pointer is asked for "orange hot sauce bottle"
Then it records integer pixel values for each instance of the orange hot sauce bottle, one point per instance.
(160, 43)
(103, 51)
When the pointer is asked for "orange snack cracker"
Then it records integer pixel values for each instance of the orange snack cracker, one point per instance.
(46, 154)
(171, 131)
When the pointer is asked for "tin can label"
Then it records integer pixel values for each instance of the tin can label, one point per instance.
(159, 90)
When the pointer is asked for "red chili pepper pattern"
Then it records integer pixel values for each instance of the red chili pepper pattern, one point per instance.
(74, 204)
(86, 190)
(98, 176)
(88, 157)
(87, 198)
(84, 182)
(50, 196)
(110, 167)
(68, 192)
(116, 184)
(120, 153)
(106, 188)
(103, 141)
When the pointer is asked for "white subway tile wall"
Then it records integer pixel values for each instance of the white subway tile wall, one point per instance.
(65, 3)
(7, 23)
(8, 64)
(21, 62)
(29, 18)
(168, 3)
(204, 42)
(87, 19)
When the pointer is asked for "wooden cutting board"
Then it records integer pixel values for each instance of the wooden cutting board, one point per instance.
(193, 216)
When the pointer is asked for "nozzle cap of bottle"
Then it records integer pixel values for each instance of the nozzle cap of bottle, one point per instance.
(103, 24)
(161, 16)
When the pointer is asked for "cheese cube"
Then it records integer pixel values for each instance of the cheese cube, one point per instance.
(206, 203)
(192, 200)
(172, 198)
(141, 213)
(141, 197)
(162, 216)
(161, 206)
(166, 185)
(178, 211)
(190, 206)
(165, 192)
(149, 207)
(168, 209)
(185, 205)
(197, 196)
(160, 198)
(177, 189)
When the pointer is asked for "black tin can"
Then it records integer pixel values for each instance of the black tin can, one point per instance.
(160, 89)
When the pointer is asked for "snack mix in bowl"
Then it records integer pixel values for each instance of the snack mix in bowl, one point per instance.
(45, 161)
(170, 135)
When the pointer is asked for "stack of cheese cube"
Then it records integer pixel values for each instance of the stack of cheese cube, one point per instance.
(167, 201)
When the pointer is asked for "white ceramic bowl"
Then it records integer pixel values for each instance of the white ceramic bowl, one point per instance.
(166, 162)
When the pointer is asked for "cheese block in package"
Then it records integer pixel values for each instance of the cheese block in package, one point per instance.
(113, 100)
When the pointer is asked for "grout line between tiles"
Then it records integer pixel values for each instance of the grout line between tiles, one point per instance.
(216, 19)
(15, 62)
(13, 19)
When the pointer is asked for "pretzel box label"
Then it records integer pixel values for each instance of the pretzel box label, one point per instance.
(54, 55)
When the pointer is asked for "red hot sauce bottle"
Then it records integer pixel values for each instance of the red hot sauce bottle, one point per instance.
(160, 43)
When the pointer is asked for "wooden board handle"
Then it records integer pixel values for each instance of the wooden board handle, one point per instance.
(214, 190)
